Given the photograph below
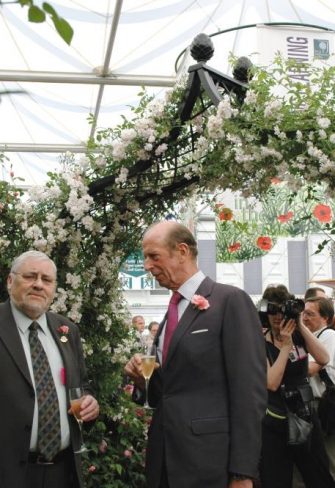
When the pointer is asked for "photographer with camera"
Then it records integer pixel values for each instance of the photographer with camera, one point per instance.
(288, 342)
(318, 317)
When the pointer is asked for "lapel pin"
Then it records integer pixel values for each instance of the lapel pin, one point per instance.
(64, 330)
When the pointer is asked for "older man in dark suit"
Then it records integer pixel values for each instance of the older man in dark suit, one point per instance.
(40, 359)
(209, 392)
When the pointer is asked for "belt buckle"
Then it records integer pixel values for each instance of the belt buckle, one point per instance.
(41, 461)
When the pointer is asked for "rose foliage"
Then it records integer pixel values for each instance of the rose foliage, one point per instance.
(90, 216)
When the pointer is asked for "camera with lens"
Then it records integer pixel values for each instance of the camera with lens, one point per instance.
(291, 309)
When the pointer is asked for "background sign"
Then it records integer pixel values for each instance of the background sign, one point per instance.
(134, 265)
(300, 44)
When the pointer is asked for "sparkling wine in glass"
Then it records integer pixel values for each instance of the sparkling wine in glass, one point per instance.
(76, 396)
(148, 365)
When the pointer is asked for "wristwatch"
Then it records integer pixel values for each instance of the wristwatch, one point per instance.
(239, 477)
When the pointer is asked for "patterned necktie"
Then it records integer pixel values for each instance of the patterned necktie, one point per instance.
(171, 322)
(49, 436)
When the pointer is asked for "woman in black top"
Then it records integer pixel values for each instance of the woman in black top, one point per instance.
(288, 343)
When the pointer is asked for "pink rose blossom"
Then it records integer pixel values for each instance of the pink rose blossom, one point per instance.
(63, 329)
(91, 469)
(200, 302)
(128, 389)
(128, 453)
(139, 412)
(103, 446)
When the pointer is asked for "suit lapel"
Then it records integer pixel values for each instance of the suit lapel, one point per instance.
(65, 348)
(189, 316)
(10, 336)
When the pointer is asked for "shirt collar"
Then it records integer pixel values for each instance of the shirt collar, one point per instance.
(190, 286)
(23, 321)
(317, 332)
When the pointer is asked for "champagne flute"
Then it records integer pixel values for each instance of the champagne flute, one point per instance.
(76, 396)
(148, 365)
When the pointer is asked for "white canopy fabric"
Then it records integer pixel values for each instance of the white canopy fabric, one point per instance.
(118, 46)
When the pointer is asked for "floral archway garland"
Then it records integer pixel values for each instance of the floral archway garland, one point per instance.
(91, 215)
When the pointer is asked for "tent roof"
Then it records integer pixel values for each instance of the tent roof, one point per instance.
(118, 46)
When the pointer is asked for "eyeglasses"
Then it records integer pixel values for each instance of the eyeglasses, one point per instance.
(307, 313)
(32, 277)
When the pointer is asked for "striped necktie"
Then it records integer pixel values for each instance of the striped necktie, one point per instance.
(49, 435)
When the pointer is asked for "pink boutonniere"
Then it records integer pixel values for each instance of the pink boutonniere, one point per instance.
(64, 330)
(200, 302)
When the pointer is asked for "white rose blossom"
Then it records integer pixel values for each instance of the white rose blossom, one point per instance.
(323, 122)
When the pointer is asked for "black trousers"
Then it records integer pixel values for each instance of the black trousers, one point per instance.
(61, 474)
(164, 482)
(278, 459)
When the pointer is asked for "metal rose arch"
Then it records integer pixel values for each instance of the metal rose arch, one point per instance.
(205, 87)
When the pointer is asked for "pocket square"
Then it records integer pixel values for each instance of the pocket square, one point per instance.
(199, 331)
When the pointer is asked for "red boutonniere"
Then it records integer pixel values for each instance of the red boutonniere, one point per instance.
(64, 330)
(200, 302)
(63, 376)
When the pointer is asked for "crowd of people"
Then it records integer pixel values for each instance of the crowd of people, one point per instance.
(294, 354)
(228, 379)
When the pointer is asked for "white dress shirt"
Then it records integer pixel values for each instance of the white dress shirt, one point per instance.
(187, 290)
(56, 365)
(327, 338)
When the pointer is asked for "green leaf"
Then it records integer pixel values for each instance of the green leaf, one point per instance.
(49, 9)
(35, 14)
(118, 468)
(63, 28)
(25, 2)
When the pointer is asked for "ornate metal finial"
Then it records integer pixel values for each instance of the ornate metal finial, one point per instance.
(242, 69)
(202, 48)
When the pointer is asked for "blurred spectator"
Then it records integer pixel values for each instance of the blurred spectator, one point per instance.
(138, 322)
(317, 316)
(314, 291)
(153, 327)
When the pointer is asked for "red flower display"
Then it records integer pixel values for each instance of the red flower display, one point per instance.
(283, 218)
(264, 243)
(225, 214)
(323, 213)
(234, 247)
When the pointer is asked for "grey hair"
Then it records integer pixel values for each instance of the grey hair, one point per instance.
(38, 255)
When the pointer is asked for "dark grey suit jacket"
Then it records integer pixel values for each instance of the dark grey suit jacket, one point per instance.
(210, 395)
(17, 395)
